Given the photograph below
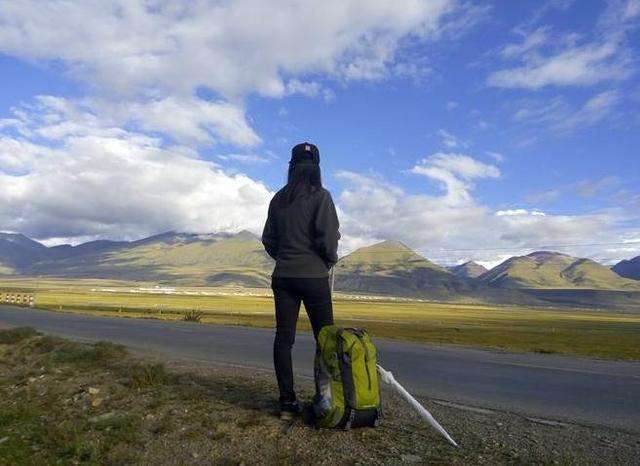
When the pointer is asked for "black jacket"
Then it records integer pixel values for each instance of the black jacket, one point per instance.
(303, 237)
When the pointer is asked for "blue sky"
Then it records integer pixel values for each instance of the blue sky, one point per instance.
(468, 130)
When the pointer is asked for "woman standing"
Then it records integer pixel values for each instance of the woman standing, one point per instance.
(301, 234)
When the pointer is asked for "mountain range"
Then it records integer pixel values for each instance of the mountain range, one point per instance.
(469, 269)
(544, 269)
(386, 268)
(628, 268)
(179, 258)
(391, 268)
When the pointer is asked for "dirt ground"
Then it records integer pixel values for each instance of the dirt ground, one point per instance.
(63, 402)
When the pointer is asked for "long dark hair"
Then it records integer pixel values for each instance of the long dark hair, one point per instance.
(303, 178)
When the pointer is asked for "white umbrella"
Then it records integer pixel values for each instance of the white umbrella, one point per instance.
(387, 377)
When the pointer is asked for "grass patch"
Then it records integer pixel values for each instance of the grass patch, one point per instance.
(193, 316)
(99, 354)
(64, 402)
(15, 335)
(148, 375)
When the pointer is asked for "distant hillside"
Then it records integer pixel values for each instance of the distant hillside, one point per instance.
(392, 268)
(545, 269)
(388, 268)
(17, 251)
(468, 270)
(628, 268)
(180, 258)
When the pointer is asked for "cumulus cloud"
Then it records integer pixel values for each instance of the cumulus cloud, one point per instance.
(453, 226)
(184, 120)
(65, 173)
(123, 160)
(189, 120)
(147, 64)
(455, 172)
(233, 48)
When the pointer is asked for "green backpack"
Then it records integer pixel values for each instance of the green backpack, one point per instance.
(346, 379)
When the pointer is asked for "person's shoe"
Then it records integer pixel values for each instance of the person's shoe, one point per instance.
(289, 410)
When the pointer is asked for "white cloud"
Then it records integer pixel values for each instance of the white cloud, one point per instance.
(541, 112)
(571, 59)
(459, 165)
(581, 65)
(594, 110)
(593, 188)
(452, 226)
(601, 188)
(619, 14)
(455, 171)
(185, 120)
(189, 120)
(559, 117)
(531, 40)
(309, 89)
(70, 174)
(497, 156)
(233, 48)
(449, 140)
(247, 159)
(519, 213)
(372, 209)
(146, 62)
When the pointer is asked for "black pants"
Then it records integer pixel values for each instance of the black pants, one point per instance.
(288, 293)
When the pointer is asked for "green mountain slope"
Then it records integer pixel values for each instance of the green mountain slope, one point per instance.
(171, 258)
(547, 270)
(628, 268)
(387, 268)
(468, 270)
(391, 268)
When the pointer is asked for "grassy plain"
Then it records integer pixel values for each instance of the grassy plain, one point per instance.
(63, 402)
(544, 330)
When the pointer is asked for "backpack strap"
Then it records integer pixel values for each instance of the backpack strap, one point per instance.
(345, 371)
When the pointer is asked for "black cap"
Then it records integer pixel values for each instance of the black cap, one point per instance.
(305, 153)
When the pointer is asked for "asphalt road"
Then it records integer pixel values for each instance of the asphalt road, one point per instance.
(585, 391)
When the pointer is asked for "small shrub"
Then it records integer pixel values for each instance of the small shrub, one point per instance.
(107, 351)
(16, 335)
(99, 354)
(70, 351)
(47, 344)
(148, 375)
(193, 316)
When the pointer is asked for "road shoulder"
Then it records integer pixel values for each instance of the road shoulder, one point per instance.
(98, 402)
